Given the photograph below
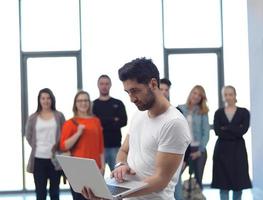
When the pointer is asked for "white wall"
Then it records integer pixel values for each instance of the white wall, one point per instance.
(255, 33)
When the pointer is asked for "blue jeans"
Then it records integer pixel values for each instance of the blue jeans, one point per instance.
(110, 156)
(224, 195)
(198, 167)
(178, 192)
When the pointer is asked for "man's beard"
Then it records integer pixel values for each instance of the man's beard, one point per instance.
(150, 100)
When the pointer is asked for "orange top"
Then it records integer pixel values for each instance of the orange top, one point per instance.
(90, 144)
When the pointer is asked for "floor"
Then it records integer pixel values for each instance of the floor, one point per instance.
(210, 194)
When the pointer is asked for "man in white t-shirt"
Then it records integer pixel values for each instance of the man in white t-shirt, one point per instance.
(158, 137)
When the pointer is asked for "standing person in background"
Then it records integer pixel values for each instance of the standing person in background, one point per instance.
(230, 164)
(43, 133)
(82, 134)
(165, 85)
(113, 117)
(196, 112)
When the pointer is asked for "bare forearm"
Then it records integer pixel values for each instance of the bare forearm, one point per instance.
(70, 142)
(123, 152)
(122, 156)
(155, 184)
(166, 166)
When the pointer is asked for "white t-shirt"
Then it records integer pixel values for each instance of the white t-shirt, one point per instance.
(168, 132)
(45, 137)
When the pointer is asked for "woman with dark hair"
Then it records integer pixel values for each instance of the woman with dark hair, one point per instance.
(82, 135)
(196, 112)
(43, 133)
(230, 164)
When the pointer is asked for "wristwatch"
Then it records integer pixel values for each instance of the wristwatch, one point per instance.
(120, 164)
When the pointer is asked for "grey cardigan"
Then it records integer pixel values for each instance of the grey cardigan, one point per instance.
(31, 136)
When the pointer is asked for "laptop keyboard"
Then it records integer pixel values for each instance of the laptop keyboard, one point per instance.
(116, 189)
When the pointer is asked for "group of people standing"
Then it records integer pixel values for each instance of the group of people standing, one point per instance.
(94, 132)
(230, 163)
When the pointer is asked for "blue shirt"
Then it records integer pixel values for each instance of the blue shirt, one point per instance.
(200, 125)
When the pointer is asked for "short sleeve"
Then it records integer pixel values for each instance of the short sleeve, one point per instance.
(67, 131)
(174, 137)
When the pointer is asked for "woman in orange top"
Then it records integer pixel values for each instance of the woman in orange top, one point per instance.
(82, 135)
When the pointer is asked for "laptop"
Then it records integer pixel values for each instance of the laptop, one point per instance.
(82, 172)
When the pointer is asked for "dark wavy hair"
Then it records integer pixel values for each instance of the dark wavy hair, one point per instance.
(52, 97)
(166, 82)
(141, 70)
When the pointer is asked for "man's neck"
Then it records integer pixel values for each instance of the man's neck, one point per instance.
(160, 106)
(104, 97)
(231, 106)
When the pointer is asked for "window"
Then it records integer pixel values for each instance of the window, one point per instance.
(11, 146)
(191, 23)
(185, 71)
(115, 32)
(49, 25)
(58, 74)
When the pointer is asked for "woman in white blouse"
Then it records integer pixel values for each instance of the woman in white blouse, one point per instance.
(43, 133)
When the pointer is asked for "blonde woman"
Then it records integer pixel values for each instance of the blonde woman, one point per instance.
(82, 134)
(196, 112)
(230, 164)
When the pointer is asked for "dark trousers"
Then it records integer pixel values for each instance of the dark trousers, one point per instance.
(198, 166)
(76, 196)
(43, 171)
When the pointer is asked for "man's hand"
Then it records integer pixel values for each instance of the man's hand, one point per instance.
(88, 194)
(120, 172)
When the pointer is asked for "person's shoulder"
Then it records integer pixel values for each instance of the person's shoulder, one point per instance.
(182, 107)
(96, 101)
(71, 121)
(178, 108)
(174, 116)
(95, 121)
(59, 113)
(139, 115)
(116, 100)
(95, 118)
(32, 116)
(177, 120)
(220, 110)
(176, 111)
(242, 109)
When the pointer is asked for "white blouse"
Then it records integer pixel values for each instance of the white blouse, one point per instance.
(45, 137)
